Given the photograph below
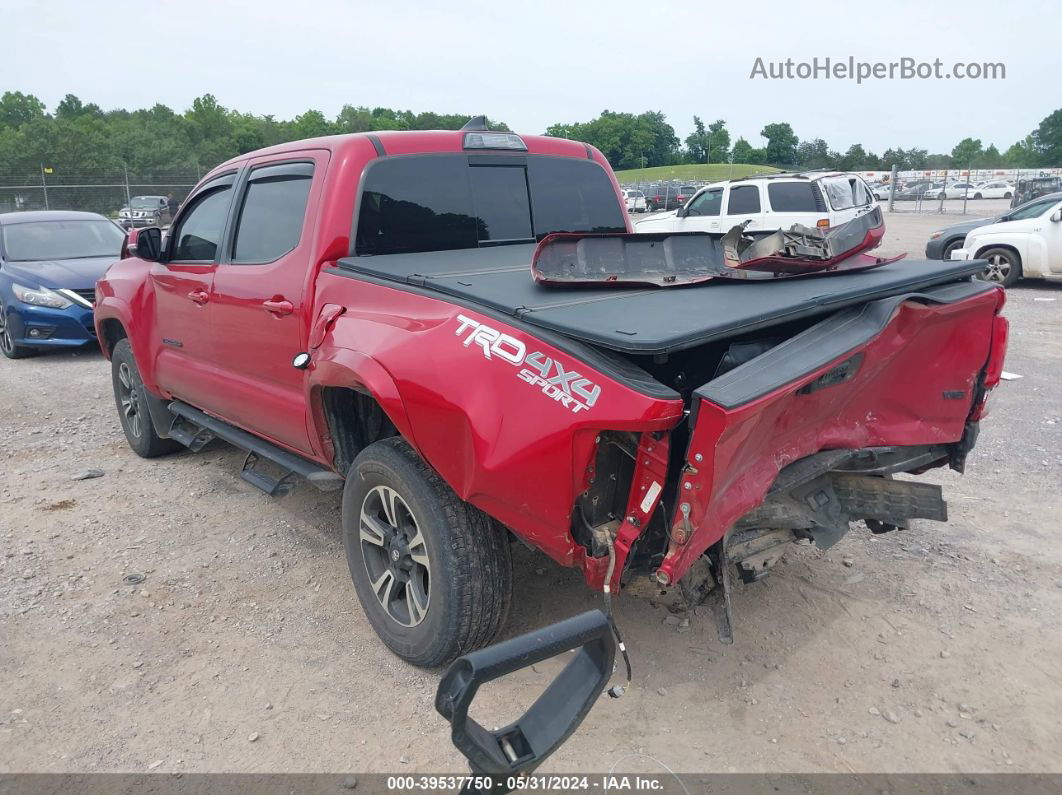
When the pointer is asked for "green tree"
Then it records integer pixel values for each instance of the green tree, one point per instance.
(1047, 138)
(781, 144)
(1022, 154)
(967, 152)
(17, 109)
(311, 124)
(718, 142)
(697, 142)
(855, 159)
(744, 152)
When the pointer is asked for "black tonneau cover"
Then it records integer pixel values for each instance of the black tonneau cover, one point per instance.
(645, 321)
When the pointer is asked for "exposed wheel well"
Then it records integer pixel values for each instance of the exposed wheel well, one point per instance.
(113, 331)
(1011, 249)
(355, 420)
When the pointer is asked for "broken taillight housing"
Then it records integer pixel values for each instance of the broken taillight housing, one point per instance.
(997, 353)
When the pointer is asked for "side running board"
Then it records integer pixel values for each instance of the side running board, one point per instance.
(193, 428)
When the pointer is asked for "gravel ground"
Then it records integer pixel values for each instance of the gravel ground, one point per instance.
(244, 649)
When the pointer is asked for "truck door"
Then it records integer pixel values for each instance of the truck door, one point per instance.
(742, 204)
(702, 213)
(261, 298)
(181, 286)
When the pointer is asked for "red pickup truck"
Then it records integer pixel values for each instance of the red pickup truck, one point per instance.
(359, 311)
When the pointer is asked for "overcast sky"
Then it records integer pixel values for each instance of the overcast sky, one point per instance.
(531, 64)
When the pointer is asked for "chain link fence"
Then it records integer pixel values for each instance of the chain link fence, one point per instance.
(91, 190)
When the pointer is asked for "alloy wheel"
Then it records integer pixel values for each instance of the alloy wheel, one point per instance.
(6, 343)
(998, 269)
(395, 555)
(129, 397)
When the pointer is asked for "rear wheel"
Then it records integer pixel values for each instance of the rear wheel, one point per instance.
(1004, 266)
(432, 573)
(977, 196)
(131, 399)
(1007, 195)
(7, 341)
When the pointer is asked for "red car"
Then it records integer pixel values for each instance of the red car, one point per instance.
(359, 311)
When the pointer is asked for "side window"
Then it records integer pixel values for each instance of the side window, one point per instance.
(199, 233)
(744, 200)
(794, 197)
(860, 195)
(708, 203)
(274, 208)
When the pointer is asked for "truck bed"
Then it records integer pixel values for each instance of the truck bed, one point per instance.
(652, 320)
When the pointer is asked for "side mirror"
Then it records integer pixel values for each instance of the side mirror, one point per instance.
(1056, 216)
(681, 212)
(145, 243)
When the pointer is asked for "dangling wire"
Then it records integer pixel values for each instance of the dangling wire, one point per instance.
(616, 690)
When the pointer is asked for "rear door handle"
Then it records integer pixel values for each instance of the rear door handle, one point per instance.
(278, 307)
(199, 296)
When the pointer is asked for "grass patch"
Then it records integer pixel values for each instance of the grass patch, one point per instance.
(699, 172)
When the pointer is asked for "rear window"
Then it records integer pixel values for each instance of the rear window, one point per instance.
(847, 192)
(441, 202)
(794, 197)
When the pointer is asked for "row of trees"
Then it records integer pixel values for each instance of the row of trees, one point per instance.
(80, 137)
(83, 138)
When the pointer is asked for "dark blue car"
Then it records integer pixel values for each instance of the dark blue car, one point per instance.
(49, 264)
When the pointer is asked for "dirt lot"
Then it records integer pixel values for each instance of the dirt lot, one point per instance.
(244, 649)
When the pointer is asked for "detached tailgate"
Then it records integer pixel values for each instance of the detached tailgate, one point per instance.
(902, 370)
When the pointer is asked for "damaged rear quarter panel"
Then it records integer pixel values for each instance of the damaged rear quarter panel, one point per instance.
(479, 411)
(896, 397)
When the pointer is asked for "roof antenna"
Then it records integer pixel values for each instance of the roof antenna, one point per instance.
(476, 123)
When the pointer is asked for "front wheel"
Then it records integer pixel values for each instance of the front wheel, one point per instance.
(954, 244)
(7, 341)
(433, 573)
(1004, 266)
(131, 400)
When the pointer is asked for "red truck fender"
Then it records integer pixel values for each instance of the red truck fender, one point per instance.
(342, 367)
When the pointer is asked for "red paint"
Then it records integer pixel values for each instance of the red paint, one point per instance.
(499, 440)
(896, 398)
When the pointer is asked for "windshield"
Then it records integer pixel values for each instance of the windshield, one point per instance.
(144, 203)
(48, 240)
(1031, 210)
(440, 202)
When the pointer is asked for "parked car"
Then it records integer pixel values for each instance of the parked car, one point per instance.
(1034, 188)
(49, 264)
(370, 322)
(953, 190)
(145, 211)
(668, 197)
(943, 241)
(992, 190)
(768, 202)
(882, 191)
(1027, 243)
(635, 201)
(916, 191)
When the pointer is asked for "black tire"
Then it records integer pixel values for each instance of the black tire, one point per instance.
(954, 244)
(1006, 195)
(977, 196)
(453, 595)
(7, 344)
(131, 399)
(1004, 266)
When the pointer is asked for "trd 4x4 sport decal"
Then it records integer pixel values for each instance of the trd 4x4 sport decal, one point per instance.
(567, 387)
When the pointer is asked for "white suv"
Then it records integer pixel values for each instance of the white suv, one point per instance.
(768, 202)
(1027, 243)
(635, 200)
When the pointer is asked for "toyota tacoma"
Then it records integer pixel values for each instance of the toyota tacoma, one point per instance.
(659, 412)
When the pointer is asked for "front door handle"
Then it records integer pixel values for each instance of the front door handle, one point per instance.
(278, 307)
(199, 296)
